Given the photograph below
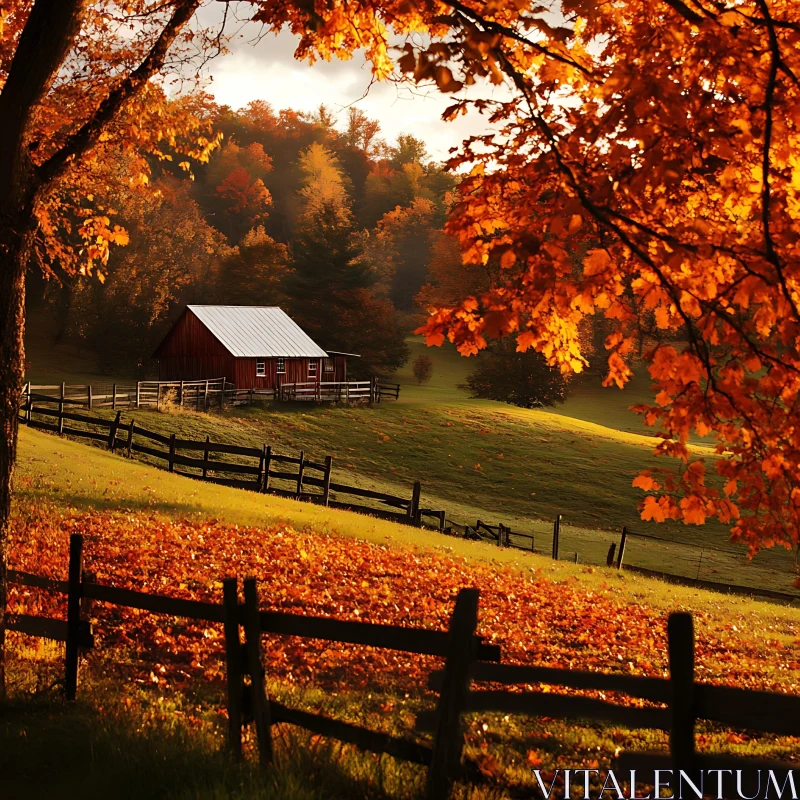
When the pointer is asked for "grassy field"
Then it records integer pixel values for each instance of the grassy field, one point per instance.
(490, 461)
(130, 737)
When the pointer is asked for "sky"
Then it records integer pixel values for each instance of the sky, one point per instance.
(267, 70)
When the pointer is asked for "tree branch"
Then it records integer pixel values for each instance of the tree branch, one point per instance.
(88, 134)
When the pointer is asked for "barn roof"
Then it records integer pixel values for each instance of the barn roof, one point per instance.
(251, 331)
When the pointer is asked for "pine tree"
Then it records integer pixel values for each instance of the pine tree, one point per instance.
(331, 290)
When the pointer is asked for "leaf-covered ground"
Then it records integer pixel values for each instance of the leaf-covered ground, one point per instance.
(582, 622)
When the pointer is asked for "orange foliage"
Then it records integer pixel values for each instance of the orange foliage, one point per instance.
(665, 133)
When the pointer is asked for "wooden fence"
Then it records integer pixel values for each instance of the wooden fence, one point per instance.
(257, 468)
(201, 395)
(674, 703)
(680, 702)
(196, 395)
(329, 391)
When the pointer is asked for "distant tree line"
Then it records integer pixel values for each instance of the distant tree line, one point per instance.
(320, 216)
(317, 215)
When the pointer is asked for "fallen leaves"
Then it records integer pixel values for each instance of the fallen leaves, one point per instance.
(536, 620)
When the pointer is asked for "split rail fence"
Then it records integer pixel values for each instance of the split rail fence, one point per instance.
(203, 395)
(257, 469)
(674, 704)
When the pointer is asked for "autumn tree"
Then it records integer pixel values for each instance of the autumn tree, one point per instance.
(170, 261)
(422, 368)
(361, 132)
(667, 131)
(405, 238)
(237, 198)
(255, 272)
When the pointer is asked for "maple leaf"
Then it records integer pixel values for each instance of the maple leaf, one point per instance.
(645, 482)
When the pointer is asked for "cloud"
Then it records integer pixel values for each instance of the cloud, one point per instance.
(267, 70)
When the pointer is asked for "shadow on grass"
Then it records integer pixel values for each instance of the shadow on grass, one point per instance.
(55, 750)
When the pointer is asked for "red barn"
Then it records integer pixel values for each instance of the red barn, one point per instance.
(252, 347)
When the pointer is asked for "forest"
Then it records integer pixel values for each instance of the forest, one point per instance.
(317, 214)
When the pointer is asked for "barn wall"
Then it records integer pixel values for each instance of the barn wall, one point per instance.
(245, 375)
(190, 352)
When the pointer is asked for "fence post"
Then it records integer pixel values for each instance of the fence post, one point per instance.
(261, 460)
(680, 636)
(205, 458)
(74, 593)
(623, 540)
(89, 396)
(610, 557)
(300, 470)
(449, 740)
(260, 705)
(130, 438)
(556, 532)
(267, 463)
(180, 395)
(699, 564)
(576, 558)
(205, 398)
(326, 489)
(413, 506)
(61, 410)
(138, 389)
(28, 411)
(113, 396)
(172, 452)
(500, 534)
(233, 664)
(112, 435)
(442, 520)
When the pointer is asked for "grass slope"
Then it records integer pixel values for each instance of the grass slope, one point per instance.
(491, 461)
(143, 739)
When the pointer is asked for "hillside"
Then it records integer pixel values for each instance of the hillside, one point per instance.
(476, 457)
(147, 529)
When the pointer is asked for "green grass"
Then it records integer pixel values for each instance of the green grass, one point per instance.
(491, 461)
(71, 474)
(165, 745)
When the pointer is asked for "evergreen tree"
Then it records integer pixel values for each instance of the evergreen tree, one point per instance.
(327, 255)
(521, 379)
(331, 292)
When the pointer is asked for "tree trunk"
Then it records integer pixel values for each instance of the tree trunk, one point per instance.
(13, 257)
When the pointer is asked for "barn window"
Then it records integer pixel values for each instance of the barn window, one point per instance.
(261, 369)
(312, 369)
(328, 365)
(281, 366)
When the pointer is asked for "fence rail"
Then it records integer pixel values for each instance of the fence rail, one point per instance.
(680, 699)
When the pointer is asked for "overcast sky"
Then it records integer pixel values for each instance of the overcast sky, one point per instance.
(267, 70)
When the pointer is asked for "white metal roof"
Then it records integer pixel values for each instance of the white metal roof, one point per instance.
(252, 331)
